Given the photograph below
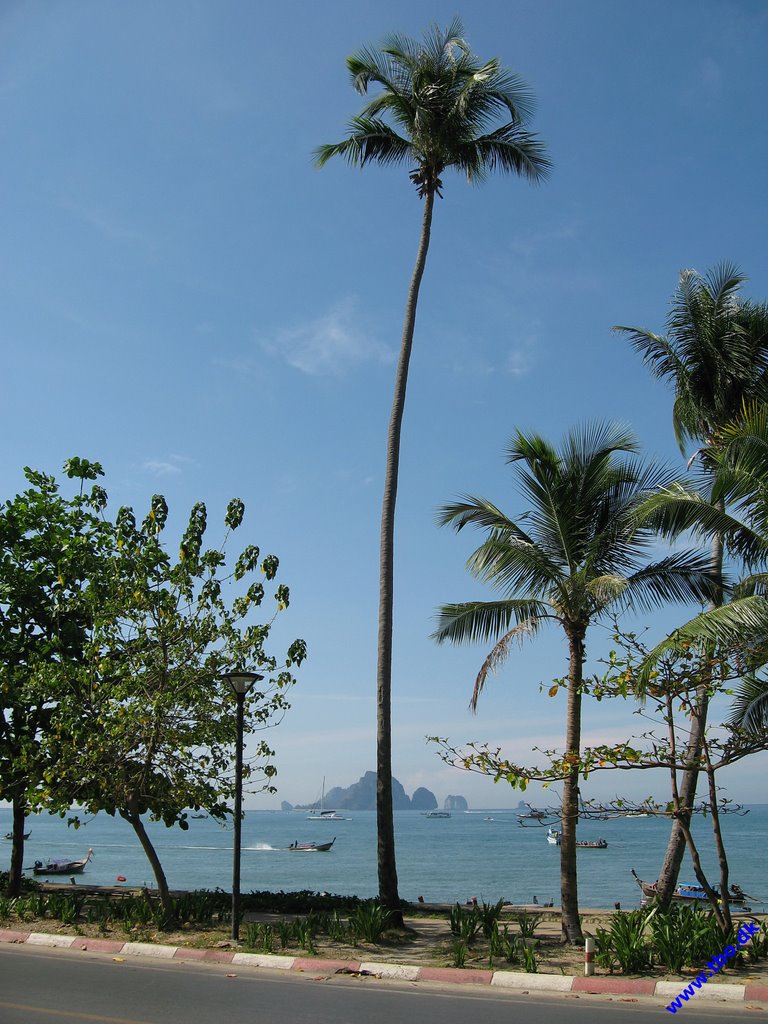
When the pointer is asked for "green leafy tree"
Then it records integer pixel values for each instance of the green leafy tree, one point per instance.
(575, 556)
(670, 702)
(715, 355)
(144, 727)
(438, 107)
(51, 547)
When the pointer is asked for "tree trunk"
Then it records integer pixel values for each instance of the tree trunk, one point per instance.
(169, 917)
(17, 852)
(569, 897)
(673, 858)
(388, 891)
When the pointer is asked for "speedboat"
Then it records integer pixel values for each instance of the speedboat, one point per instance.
(311, 847)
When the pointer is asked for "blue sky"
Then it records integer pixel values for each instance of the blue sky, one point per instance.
(186, 299)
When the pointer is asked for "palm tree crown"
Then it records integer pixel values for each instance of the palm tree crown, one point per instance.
(715, 352)
(576, 554)
(438, 108)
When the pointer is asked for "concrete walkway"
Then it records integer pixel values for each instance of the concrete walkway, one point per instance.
(662, 991)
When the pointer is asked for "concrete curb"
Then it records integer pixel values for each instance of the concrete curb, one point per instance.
(512, 981)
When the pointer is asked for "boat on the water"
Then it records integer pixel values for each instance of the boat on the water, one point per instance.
(553, 838)
(9, 835)
(62, 867)
(533, 812)
(311, 847)
(324, 814)
(691, 893)
(437, 814)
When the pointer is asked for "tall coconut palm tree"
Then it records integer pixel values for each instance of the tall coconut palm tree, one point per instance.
(438, 107)
(574, 556)
(715, 354)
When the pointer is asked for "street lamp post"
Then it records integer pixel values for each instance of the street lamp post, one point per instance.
(241, 683)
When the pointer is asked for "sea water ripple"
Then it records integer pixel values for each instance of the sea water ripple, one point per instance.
(480, 854)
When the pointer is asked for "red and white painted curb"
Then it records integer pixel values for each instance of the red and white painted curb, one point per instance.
(664, 990)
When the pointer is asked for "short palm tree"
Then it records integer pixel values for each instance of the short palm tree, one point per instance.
(438, 107)
(715, 354)
(573, 557)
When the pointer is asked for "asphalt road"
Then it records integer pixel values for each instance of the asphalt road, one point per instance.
(53, 986)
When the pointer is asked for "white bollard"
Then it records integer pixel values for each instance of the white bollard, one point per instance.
(589, 958)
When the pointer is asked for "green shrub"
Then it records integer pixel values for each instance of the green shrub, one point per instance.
(528, 923)
(369, 921)
(624, 944)
(259, 936)
(489, 915)
(459, 952)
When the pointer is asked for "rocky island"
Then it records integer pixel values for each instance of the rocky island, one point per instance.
(361, 796)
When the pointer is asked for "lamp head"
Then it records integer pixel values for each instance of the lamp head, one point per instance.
(241, 682)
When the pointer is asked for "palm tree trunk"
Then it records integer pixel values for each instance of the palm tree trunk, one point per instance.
(673, 858)
(388, 892)
(569, 897)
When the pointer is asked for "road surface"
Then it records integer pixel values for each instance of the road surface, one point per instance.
(56, 986)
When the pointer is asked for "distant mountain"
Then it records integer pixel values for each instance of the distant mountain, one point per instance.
(455, 803)
(361, 796)
(423, 800)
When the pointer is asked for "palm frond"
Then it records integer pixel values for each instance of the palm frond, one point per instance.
(750, 705)
(509, 149)
(511, 565)
(475, 621)
(369, 139)
(681, 578)
(500, 652)
(731, 627)
(476, 511)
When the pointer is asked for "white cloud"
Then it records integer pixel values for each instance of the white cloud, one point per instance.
(330, 344)
(159, 467)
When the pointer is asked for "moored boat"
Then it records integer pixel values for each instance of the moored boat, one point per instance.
(689, 892)
(553, 837)
(62, 867)
(9, 835)
(437, 814)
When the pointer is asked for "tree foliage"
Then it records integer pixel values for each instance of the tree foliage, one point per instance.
(137, 722)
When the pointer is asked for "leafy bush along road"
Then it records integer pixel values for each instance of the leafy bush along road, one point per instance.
(488, 937)
(746, 932)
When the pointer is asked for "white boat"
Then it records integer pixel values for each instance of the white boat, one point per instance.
(553, 837)
(437, 814)
(323, 814)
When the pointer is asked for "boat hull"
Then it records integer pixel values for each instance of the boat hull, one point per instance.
(311, 847)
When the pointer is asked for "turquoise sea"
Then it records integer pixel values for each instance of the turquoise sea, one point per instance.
(481, 853)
